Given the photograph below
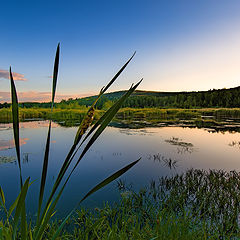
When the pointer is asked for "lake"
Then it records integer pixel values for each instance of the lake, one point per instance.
(164, 151)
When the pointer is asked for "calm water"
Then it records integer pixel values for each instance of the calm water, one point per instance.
(164, 151)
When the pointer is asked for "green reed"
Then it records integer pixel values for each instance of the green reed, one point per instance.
(16, 225)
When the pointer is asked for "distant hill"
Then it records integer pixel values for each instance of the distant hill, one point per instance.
(141, 99)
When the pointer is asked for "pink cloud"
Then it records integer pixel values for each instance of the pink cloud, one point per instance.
(16, 76)
(34, 96)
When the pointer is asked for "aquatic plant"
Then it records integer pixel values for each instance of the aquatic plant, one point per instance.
(25, 230)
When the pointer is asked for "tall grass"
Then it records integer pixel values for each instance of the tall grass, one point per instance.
(46, 209)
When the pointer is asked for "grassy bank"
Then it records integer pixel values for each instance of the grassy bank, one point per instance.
(123, 114)
(195, 205)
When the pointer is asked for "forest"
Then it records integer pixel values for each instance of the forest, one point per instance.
(215, 98)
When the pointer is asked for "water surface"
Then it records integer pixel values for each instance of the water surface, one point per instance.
(163, 151)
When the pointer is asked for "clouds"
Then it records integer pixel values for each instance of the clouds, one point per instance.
(34, 96)
(16, 76)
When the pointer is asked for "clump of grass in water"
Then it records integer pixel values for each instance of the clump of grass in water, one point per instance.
(45, 211)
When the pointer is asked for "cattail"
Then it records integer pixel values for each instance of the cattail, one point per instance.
(86, 122)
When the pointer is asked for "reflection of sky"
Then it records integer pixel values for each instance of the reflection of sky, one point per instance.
(113, 150)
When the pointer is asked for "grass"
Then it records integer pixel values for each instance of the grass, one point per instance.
(16, 225)
(123, 113)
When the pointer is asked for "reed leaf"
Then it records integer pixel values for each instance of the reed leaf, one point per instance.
(13, 206)
(20, 205)
(106, 120)
(15, 117)
(2, 196)
(23, 222)
(46, 155)
(55, 73)
(121, 100)
(109, 179)
(118, 73)
(78, 136)
(93, 190)
(48, 214)
(104, 124)
(103, 90)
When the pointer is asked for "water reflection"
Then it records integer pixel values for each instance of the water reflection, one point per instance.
(164, 150)
(166, 161)
(184, 147)
(8, 144)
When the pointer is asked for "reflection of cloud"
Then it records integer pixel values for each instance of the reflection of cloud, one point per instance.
(7, 144)
(33, 124)
(34, 96)
(16, 76)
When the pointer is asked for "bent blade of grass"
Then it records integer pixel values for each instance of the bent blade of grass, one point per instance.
(15, 118)
(77, 138)
(95, 189)
(46, 155)
(20, 205)
(104, 116)
(104, 124)
(118, 73)
(103, 90)
(106, 120)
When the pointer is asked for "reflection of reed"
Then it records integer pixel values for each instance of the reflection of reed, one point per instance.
(25, 157)
(167, 162)
(184, 150)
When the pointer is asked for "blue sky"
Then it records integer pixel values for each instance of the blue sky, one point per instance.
(181, 45)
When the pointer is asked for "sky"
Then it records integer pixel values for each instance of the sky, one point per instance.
(182, 45)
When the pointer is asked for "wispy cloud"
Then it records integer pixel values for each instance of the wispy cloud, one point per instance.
(16, 76)
(34, 96)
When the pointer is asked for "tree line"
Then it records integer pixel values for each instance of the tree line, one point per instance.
(226, 98)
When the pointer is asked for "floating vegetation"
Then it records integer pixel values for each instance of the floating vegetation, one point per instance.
(7, 159)
(183, 147)
(234, 144)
